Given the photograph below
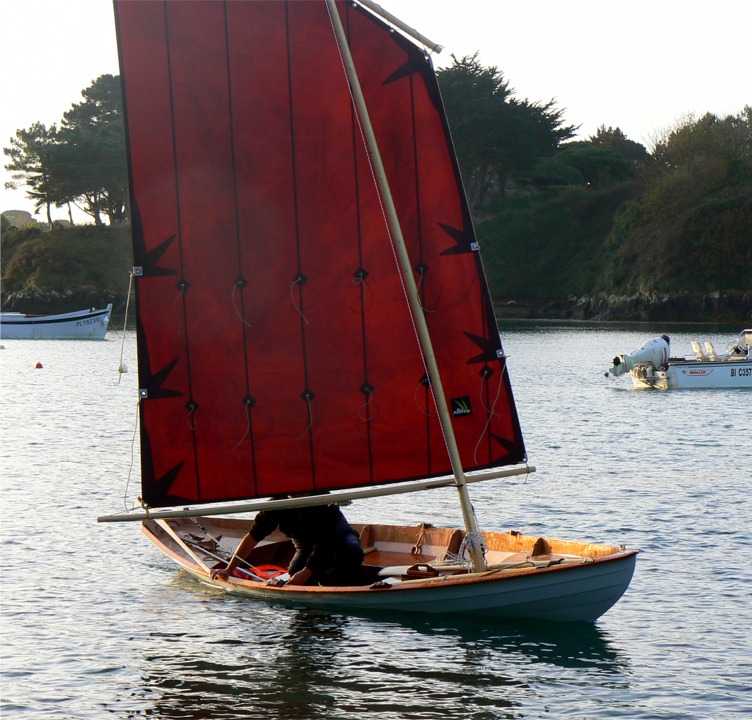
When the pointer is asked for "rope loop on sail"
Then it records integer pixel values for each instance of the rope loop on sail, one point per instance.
(359, 282)
(424, 383)
(377, 188)
(298, 281)
(364, 411)
(248, 404)
(190, 407)
(421, 270)
(307, 396)
(239, 283)
(491, 411)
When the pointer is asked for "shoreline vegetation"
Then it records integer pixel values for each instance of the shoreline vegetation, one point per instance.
(595, 229)
(733, 307)
(71, 268)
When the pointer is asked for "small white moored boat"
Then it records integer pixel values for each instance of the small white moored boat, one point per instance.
(651, 366)
(79, 325)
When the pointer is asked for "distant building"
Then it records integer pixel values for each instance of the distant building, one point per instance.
(19, 218)
(22, 219)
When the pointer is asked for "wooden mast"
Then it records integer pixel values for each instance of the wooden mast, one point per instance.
(468, 513)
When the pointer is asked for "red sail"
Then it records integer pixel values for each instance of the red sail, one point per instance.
(276, 349)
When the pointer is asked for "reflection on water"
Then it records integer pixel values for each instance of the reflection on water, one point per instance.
(567, 645)
(287, 663)
(96, 623)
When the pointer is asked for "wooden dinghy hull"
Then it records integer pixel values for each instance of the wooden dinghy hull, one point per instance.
(574, 582)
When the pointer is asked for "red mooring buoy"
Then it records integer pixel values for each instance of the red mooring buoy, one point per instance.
(39, 366)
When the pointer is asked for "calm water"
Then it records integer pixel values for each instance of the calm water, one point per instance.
(97, 624)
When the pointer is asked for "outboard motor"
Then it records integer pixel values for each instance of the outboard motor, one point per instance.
(654, 352)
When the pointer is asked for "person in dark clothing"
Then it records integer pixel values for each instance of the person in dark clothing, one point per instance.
(327, 549)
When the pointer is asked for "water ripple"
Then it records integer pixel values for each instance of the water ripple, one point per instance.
(97, 624)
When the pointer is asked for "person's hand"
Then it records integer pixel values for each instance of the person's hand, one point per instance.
(220, 574)
(301, 577)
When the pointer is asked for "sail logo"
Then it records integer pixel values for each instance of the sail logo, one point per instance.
(461, 406)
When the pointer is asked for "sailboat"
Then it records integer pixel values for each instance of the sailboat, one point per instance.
(313, 321)
(88, 324)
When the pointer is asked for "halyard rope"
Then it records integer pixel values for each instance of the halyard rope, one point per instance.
(125, 323)
(130, 467)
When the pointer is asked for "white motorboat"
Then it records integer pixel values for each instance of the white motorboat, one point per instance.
(651, 365)
(79, 325)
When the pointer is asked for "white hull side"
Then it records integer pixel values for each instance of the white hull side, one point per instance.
(696, 375)
(81, 325)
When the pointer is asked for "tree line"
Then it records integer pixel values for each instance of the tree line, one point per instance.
(560, 218)
(499, 139)
(81, 162)
(556, 216)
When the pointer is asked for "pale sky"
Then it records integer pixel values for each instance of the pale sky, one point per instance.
(640, 65)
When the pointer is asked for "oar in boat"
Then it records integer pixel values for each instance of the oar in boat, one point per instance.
(251, 571)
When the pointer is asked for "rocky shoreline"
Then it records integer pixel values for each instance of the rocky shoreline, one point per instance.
(682, 307)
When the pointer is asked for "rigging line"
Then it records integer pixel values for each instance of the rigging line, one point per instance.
(125, 323)
(191, 419)
(366, 297)
(179, 317)
(247, 429)
(420, 289)
(450, 443)
(205, 530)
(490, 411)
(470, 541)
(231, 136)
(293, 168)
(240, 282)
(310, 419)
(216, 556)
(237, 310)
(381, 206)
(427, 413)
(363, 414)
(133, 460)
(295, 305)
